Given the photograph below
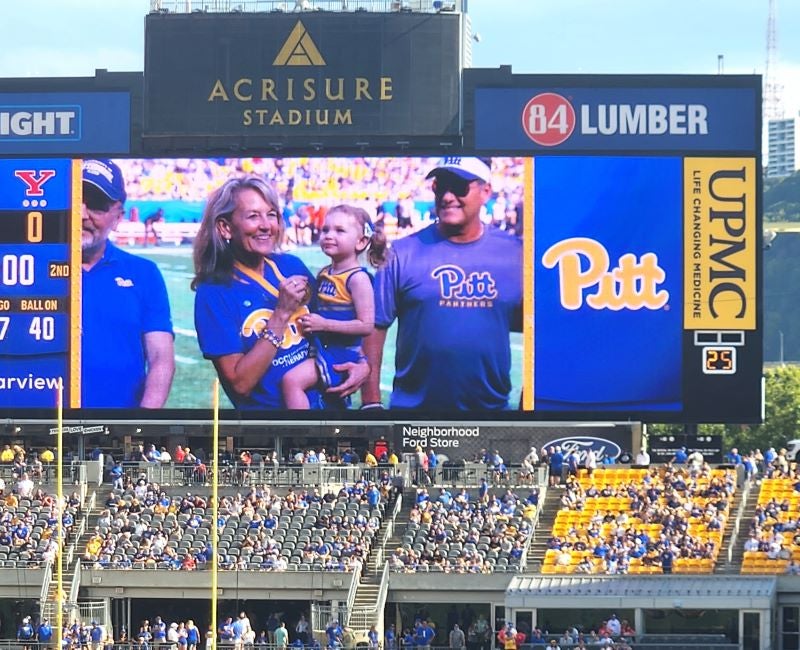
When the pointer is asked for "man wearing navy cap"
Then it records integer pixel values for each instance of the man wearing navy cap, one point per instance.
(455, 289)
(127, 356)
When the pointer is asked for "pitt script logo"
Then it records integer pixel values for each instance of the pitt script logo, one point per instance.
(457, 288)
(632, 284)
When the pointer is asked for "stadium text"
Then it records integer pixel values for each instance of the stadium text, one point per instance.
(644, 119)
(287, 96)
(37, 123)
(632, 284)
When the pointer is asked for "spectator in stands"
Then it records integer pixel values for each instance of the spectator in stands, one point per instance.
(125, 306)
(239, 238)
(642, 458)
(590, 462)
(428, 303)
(680, 456)
(44, 635)
(25, 486)
(7, 455)
(556, 460)
(372, 638)
(614, 626)
(390, 638)
(25, 633)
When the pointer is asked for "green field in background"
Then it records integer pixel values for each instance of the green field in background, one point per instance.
(194, 375)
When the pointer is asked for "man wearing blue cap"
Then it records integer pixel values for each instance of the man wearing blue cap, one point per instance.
(127, 356)
(455, 289)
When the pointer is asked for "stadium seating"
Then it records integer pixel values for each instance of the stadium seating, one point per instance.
(465, 538)
(267, 533)
(584, 520)
(775, 524)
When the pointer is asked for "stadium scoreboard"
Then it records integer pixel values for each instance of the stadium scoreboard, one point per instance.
(39, 340)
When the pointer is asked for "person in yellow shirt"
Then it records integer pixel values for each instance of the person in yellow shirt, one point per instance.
(394, 461)
(369, 459)
(7, 455)
(47, 456)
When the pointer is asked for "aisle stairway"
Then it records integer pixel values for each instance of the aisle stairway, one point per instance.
(547, 516)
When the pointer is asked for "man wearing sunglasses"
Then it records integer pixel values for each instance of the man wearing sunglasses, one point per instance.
(455, 289)
(127, 351)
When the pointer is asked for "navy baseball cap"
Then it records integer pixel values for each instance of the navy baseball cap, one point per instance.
(468, 168)
(106, 177)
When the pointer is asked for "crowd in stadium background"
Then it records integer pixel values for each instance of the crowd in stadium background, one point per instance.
(390, 189)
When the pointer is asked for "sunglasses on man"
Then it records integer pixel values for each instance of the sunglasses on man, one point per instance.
(95, 200)
(444, 183)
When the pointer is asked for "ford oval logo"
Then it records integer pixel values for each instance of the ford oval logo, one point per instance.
(582, 444)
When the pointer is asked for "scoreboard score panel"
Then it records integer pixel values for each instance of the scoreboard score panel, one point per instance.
(608, 281)
(37, 343)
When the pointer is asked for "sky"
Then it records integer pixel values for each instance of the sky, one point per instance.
(76, 37)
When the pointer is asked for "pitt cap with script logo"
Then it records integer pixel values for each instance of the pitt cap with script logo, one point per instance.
(106, 177)
(470, 169)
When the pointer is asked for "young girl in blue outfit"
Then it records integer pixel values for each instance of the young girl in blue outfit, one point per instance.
(345, 302)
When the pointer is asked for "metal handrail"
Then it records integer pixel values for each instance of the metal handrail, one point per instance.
(81, 527)
(48, 577)
(737, 523)
(351, 593)
(75, 585)
(526, 547)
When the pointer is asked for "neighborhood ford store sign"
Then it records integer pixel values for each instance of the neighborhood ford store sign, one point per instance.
(65, 123)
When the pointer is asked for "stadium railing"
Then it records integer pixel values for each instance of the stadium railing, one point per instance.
(237, 475)
(280, 6)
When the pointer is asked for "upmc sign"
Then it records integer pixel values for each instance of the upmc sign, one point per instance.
(325, 73)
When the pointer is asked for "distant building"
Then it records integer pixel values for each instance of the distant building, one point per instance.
(783, 156)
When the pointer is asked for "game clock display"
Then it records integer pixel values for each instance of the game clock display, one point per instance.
(35, 282)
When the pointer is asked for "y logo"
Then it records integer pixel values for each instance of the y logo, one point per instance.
(34, 180)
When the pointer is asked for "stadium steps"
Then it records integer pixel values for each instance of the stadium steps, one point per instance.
(737, 556)
(400, 527)
(49, 610)
(543, 531)
(68, 571)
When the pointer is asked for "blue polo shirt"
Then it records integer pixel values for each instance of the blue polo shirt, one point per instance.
(124, 297)
(455, 304)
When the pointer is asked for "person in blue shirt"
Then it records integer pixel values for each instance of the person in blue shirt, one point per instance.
(44, 634)
(250, 298)
(25, 633)
(733, 457)
(128, 353)
(96, 635)
(556, 458)
(680, 456)
(455, 289)
(390, 636)
(159, 631)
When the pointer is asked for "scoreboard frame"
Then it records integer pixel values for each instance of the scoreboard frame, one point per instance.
(490, 97)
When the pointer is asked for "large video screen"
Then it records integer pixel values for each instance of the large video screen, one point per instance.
(406, 288)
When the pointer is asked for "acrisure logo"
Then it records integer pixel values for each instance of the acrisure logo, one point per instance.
(299, 49)
(40, 123)
(549, 119)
